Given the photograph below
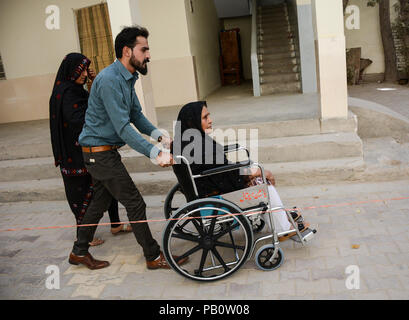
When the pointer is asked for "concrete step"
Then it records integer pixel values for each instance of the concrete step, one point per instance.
(276, 43)
(279, 149)
(311, 147)
(279, 68)
(270, 57)
(272, 15)
(305, 174)
(273, 22)
(273, 30)
(271, 6)
(272, 11)
(384, 159)
(267, 88)
(157, 185)
(278, 40)
(276, 37)
(273, 25)
(44, 168)
(279, 78)
(273, 48)
(278, 63)
(277, 20)
(41, 147)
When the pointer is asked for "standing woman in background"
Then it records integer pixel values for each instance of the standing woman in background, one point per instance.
(68, 103)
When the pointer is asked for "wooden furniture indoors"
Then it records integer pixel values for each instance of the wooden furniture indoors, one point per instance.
(230, 58)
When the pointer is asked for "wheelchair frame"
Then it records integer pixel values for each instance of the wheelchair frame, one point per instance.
(273, 249)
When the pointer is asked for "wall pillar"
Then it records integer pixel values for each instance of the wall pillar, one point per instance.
(126, 13)
(306, 44)
(328, 24)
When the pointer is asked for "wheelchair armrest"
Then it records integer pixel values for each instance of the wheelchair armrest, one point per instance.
(227, 167)
(231, 147)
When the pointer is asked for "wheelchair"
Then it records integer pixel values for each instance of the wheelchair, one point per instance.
(217, 233)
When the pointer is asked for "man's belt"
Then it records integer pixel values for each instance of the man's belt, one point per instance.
(98, 149)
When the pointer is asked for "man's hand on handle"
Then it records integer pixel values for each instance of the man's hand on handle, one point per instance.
(165, 159)
(166, 141)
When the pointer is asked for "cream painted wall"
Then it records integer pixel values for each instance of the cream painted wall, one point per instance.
(167, 25)
(173, 81)
(203, 27)
(331, 59)
(368, 37)
(32, 54)
(26, 98)
(244, 23)
(126, 13)
(171, 68)
(27, 47)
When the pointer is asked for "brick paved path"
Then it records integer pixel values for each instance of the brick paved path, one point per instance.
(372, 236)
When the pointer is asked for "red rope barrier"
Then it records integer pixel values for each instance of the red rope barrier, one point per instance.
(231, 214)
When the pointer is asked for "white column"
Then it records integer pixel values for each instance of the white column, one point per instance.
(126, 13)
(331, 58)
(307, 49)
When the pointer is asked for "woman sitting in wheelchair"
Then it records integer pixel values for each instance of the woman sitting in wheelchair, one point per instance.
(192, 141)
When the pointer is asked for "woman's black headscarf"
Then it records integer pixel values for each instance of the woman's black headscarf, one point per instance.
(211, 153)
(64, 133)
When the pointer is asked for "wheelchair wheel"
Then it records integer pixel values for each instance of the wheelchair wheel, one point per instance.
(174, 200)
(264, 255)
(216, 239)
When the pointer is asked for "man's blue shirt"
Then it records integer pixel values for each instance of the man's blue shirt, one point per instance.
(114, 113)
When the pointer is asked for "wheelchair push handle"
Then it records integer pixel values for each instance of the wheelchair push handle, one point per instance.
(231, 147)
(235, 147)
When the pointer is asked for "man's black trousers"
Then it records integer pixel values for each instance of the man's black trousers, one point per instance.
(111, 179)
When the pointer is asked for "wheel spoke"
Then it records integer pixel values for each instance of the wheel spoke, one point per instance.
(216, 253)
(185, 236)
(202, 261)
(232, 241)
(187, 253)
(229, 228)
(213, 223)
(199, 226)
(229, 245)
(183, 224)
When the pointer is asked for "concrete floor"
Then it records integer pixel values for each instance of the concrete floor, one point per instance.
(396, 100)
(368, 233)
(236, 105)
(227, 105)
(354, 228)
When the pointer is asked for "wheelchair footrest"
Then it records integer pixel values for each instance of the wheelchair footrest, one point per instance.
(307, 235)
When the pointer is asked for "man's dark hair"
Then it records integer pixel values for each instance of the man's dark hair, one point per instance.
(127, 38)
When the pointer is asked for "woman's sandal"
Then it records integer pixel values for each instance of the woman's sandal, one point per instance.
(288, 236)
(123, 228)
(96, 242)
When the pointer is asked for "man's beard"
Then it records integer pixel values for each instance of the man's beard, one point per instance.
(139, 66)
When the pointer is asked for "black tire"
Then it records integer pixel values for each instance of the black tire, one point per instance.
(223, 237)
(263, 256)
(169, 206)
